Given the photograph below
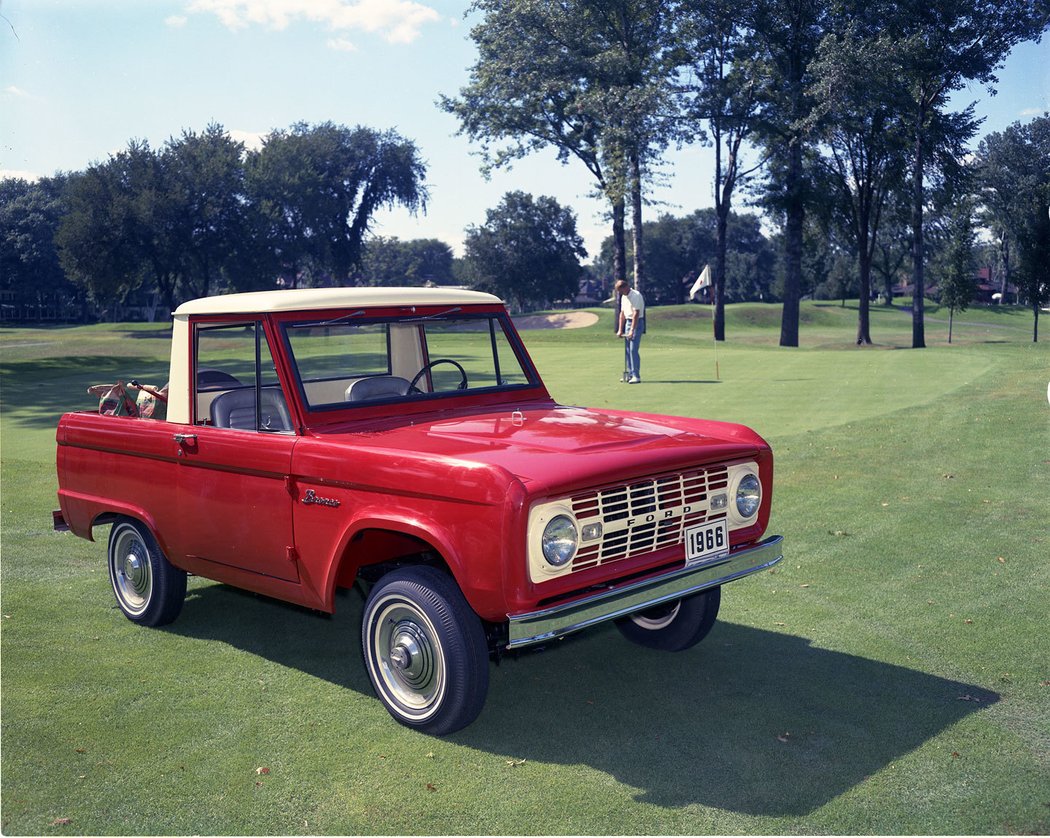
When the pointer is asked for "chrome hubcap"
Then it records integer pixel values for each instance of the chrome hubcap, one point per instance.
(410, 664)
(411, 656)
(658, 617)
(132, 574)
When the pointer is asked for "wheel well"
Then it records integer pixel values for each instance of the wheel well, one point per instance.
(372, 553)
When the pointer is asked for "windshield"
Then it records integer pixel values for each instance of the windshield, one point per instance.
(359, 360)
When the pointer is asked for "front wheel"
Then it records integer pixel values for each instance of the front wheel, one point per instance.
(674, 626)
(425, 650)
(149, 589)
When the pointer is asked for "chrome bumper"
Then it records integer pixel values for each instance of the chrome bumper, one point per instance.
(558, 620)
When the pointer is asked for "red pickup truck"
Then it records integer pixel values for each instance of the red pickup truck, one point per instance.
(402, 440)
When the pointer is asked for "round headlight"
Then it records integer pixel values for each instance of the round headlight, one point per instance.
(748, 495)
(559, 540)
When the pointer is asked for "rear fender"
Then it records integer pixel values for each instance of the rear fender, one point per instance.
(83, 513)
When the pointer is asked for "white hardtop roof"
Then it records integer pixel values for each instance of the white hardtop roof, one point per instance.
(307, 299)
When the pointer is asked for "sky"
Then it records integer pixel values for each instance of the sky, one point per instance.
(79, 79)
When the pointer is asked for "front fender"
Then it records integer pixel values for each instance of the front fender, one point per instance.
(477, 587)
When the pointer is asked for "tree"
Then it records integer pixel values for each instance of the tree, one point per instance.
(677, 249)
(1034, 268)
(1013, 171)
(530, 89)
(943, 45)
(750, 260)
(893, 248)
(725, 98)
(863, 139)
(587, 78)
(207, 214)
(955, 267)
(317, 187)
(788, 33)
(635, 56)
(528, 251)
(30, 269)
(116, 234)
(389, 261)
(175, 220)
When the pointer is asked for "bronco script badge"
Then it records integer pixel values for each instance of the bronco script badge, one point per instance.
(311, 498)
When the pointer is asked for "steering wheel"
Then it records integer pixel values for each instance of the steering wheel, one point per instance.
(463, 373)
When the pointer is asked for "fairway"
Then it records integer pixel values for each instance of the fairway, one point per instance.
(891, 675)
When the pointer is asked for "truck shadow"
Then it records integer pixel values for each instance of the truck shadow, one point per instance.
(324, 646)
(753, 721)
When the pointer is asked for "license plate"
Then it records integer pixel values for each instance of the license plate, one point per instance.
(705, 542)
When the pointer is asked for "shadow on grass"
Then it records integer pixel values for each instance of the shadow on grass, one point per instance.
(324, 646)
(37, 392)
(751, 721)
(160, 333)
(678, 381)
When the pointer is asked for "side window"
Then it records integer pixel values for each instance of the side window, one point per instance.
(236, 382)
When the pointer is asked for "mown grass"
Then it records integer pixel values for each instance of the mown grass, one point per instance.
(892, 675)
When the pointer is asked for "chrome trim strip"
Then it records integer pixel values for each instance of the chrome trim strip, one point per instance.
(559, 620)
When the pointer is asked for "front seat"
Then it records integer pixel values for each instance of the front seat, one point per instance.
(236, 409)
(376, 387)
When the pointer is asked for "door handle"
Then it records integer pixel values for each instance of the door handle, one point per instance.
(181, 438)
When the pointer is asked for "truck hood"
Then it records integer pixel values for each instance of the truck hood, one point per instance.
(553, 447)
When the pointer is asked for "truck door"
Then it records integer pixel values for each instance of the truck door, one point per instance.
(235, 462)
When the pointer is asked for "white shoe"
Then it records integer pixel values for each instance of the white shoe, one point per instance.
(634, 379)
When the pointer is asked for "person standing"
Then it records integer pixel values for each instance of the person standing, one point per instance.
(631, 327)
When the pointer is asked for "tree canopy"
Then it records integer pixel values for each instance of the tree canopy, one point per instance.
(527, 251)
(202, 215)
(1013, 172)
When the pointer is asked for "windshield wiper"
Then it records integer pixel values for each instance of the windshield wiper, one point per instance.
(433, 316)
(357, 313)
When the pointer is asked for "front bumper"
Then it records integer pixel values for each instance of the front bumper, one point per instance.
(559, 620)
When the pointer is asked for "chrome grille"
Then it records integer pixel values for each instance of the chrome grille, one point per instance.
(646, 515)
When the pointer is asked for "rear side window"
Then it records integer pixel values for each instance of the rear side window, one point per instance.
(236, 384)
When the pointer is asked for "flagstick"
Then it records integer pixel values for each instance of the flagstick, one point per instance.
(704, 281)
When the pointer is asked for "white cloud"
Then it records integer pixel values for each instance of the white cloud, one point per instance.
(175, 21)
(398, 21)
(1033, 111)
(253, 140)
(15, 174)
(17, 92)
(341, 45)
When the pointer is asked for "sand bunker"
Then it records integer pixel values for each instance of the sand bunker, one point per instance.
(561, 320)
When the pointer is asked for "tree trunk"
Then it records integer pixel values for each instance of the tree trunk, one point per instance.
(619, 241)
(918, 333)
(864, 309)
(1035, 323)
(951, 317)
(636, 219)
(719, 285)
(1004, 250)
(796, 212)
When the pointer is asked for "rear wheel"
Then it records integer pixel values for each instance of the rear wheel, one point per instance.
(425, 650)
(149, 589)
(674, 626)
